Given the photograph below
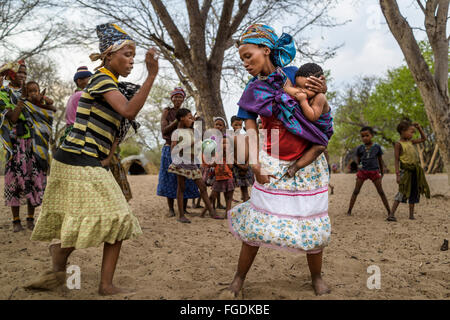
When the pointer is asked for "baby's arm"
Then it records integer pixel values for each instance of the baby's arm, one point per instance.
(290, 89)
(106, 162)
(314, 110)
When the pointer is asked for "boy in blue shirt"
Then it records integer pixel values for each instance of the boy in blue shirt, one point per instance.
(370, 166)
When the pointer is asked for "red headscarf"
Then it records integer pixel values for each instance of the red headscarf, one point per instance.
(10, 69)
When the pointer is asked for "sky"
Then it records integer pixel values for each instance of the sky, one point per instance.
(369, 49)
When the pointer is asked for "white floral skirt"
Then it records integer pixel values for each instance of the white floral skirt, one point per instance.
(287, 213)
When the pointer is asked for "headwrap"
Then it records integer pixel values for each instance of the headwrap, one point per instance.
(283, 48)
(112, 38)
(267, 98)
(220, 118)
(178, 90)
(82, 72)
(10, 69)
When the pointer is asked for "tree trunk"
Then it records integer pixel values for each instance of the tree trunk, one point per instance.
(433, 159)
(208, 97)
(436, 101)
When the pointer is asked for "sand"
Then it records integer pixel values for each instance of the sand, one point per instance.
(196, 261)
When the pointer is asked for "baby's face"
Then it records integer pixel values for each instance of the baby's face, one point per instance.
(33, 92)
(301, 83)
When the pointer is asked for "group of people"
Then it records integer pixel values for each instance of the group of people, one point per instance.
(189, 180)
(85, 206)
(410, 175)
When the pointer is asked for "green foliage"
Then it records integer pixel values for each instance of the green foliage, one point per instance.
(380, 103)
(129, 149)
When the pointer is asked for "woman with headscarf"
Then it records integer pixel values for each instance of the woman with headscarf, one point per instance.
(167, 182)
(25, 132)
(83, 205)
(283, 212)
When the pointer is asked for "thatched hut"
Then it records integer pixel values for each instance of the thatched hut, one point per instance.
(137, 165)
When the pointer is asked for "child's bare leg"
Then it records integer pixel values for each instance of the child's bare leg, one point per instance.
(170, 203)
(180, 200)
(204, 195)
(358, 185)
(219, 205)
(185, 205)
(315, 267)
(246, 258)
(17, 226)
(411, 211)
(379, 186)
(245, 196)
(229, 200)
(392, 214)
(30, 217)
(308, 157)
(110, 256)
(198, 204)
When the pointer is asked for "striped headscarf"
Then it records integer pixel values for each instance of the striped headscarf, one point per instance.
(39, 121)
(10, 69)
(178, 90)
(283, 48)
(111, 39)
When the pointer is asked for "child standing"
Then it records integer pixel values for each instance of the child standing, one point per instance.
(242, 173)
(371, 167)
(224, 181)
(187, 169)
(409, 174)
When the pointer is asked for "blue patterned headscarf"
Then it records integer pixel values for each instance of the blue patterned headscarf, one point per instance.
(111, 38)
(283, 48)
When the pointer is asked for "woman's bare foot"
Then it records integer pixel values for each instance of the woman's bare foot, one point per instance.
(235, 287)
(111, 290)
(17, 227)
(320, 287)
(48, 281)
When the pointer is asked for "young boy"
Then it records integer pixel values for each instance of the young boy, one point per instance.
(315, 109)
(409, 174)
(371, 165)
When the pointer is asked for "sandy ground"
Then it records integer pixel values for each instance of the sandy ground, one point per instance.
(178, 261)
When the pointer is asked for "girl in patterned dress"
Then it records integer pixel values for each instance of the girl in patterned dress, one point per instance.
(184, 166)
(283, 212)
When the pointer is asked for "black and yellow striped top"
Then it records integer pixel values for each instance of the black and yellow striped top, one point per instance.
(96, 123)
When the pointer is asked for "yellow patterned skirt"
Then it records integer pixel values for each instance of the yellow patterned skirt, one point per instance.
(84, 207)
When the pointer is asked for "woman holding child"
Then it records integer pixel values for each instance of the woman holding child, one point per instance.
(26, 121)
(284, 211)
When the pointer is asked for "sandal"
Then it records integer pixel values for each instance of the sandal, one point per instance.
(391, 219)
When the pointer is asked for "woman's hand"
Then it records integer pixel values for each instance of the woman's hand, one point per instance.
(318, 85)
(260, 174)
(151, 61)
